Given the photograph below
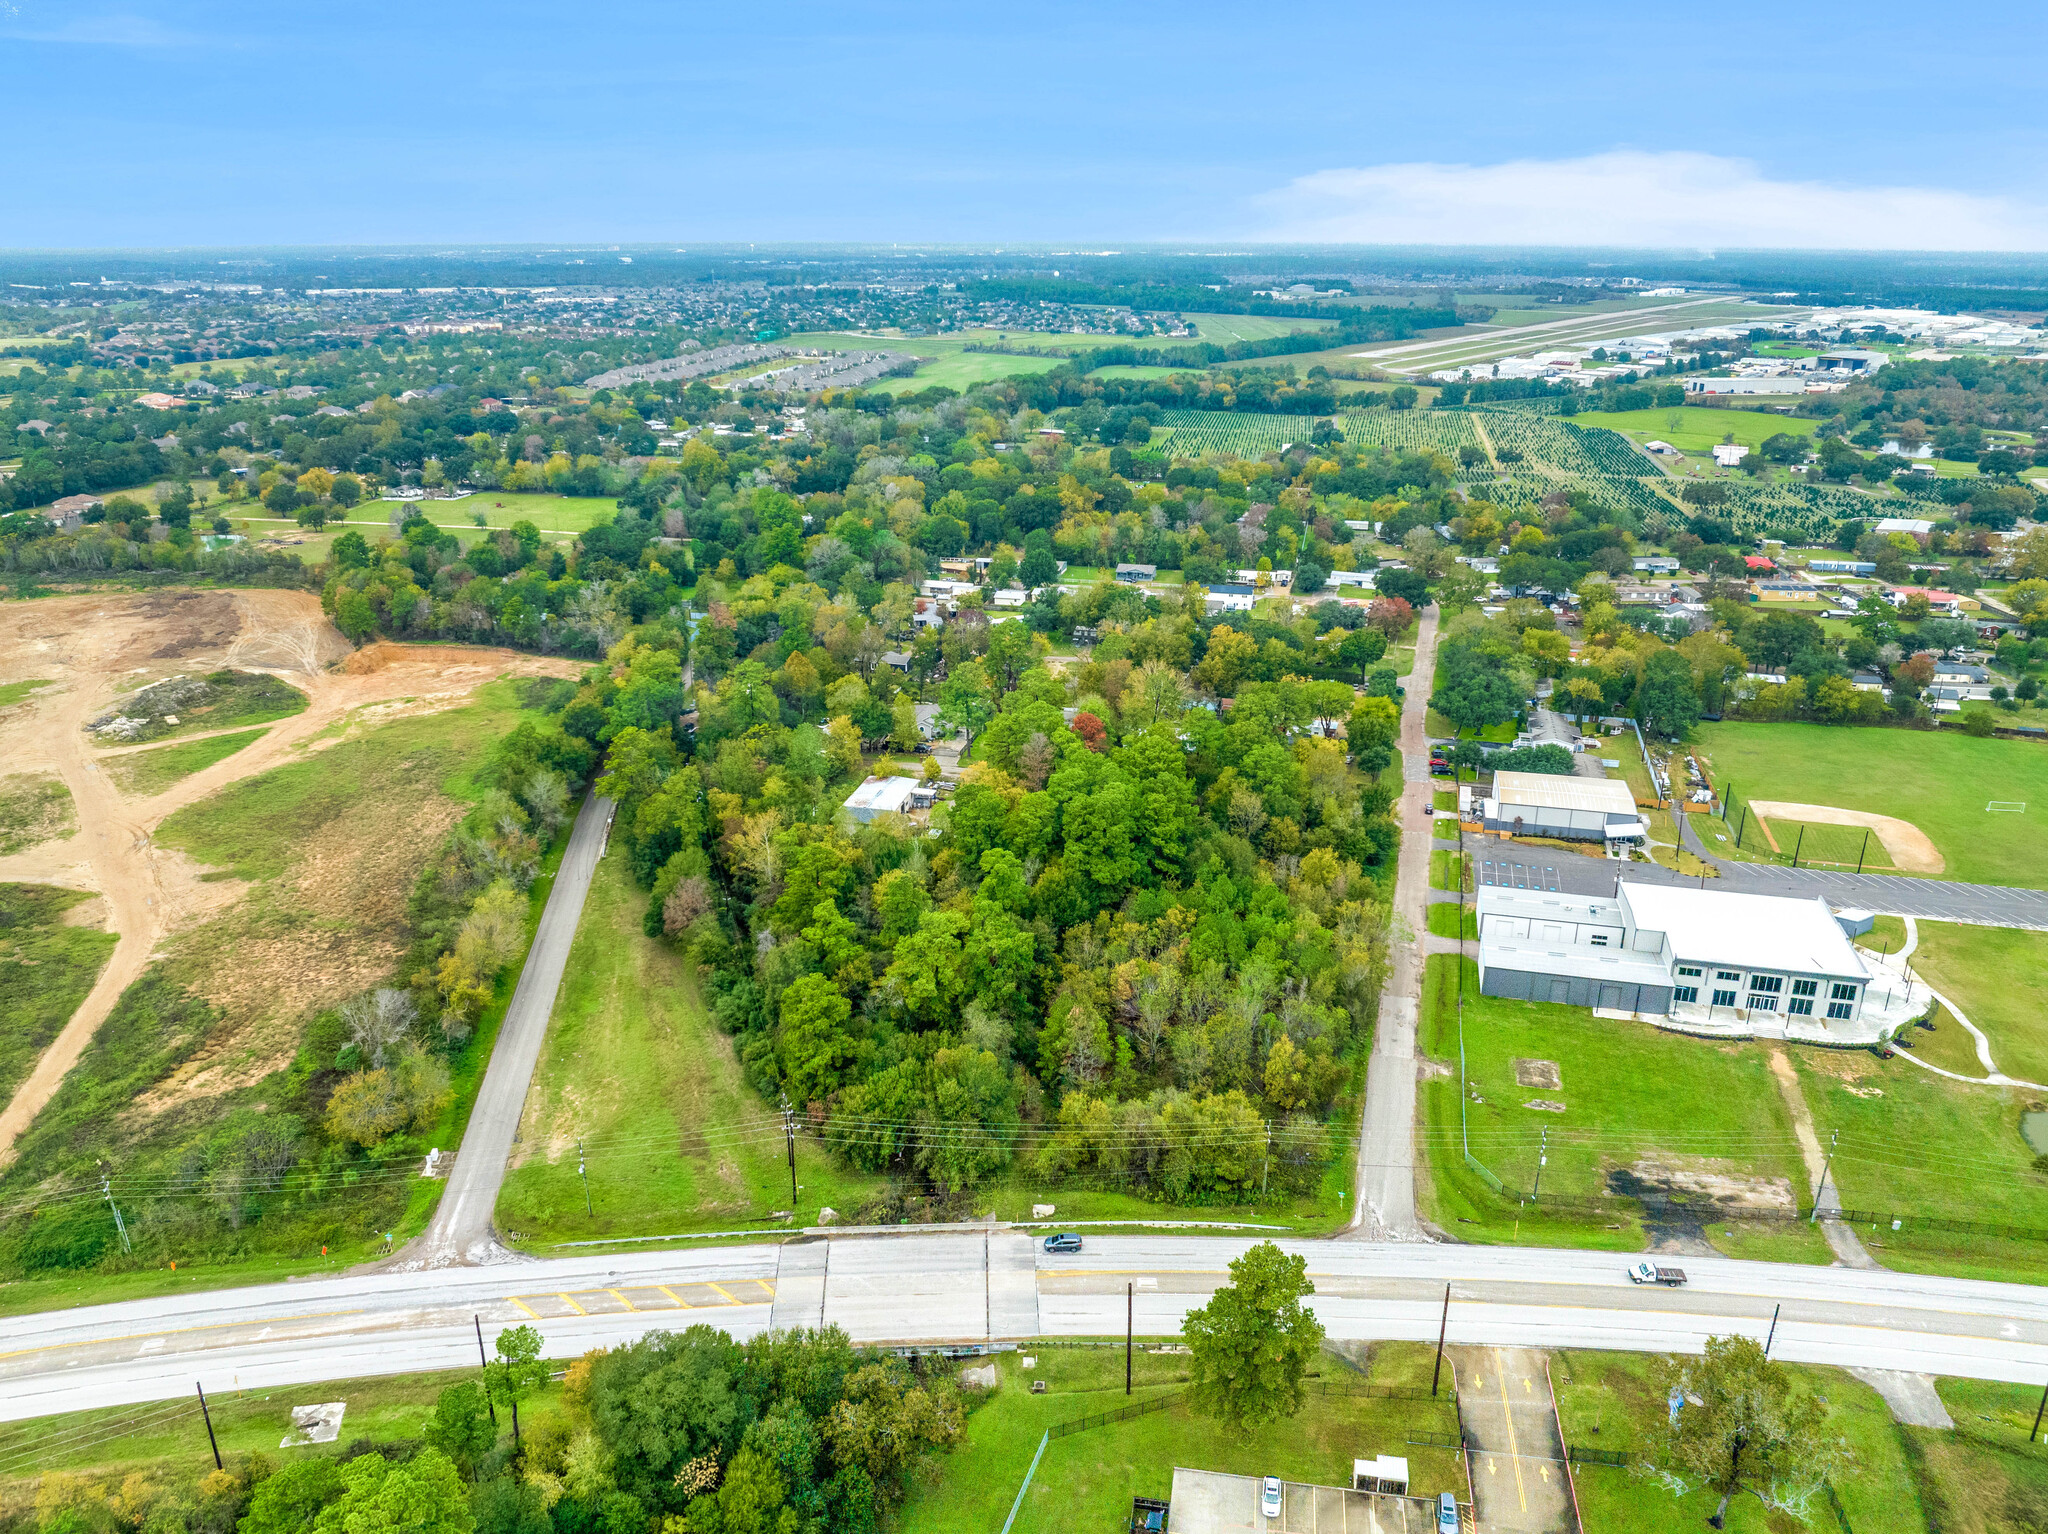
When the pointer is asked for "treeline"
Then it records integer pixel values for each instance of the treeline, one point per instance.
(791, 1432)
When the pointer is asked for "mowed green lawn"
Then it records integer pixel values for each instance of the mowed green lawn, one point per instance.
(1938, 781)
(633, 1066)
(1635, 1099)
(1914, 1143)
(1999, 977)
(1699, 426)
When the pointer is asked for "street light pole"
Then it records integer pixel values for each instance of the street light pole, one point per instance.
(585, 1175)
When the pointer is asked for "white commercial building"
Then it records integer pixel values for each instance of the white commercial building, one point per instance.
(1660, 949)
(1556, 805)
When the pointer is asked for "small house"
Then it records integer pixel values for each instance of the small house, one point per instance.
(1136, 575)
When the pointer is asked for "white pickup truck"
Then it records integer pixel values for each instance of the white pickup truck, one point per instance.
(1647, 1273)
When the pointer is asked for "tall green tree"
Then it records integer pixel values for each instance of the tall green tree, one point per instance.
(1753, 1430)
(516, 1372)
(1254, 1340)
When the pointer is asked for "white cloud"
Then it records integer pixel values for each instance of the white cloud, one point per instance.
(1676, 198)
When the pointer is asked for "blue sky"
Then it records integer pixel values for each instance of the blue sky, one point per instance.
(222, 122)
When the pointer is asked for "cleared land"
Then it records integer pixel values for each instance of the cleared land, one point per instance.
(147, 773)
(1087, 1480)
(92, 645)
(1937, 781)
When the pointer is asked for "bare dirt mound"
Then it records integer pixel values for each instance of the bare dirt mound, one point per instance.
(1910, 850)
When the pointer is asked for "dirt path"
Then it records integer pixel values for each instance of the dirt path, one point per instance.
(1840, 1238)
(1911, 851)
(95, 647)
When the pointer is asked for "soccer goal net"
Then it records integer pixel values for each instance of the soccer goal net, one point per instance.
(2006, 807)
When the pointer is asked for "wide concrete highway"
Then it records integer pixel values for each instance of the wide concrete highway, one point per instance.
(969, 1286)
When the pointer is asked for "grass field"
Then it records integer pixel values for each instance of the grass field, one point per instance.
(1999, 976)
(633, 1065)
(46, 967)
(1699, 427)
(12, 693)
(34, 808)
(1222, 329)
(151, 772)
(1086, 1480)
(1938, 781)
(1636, 1102)
(563, 516)
(1911, 1143)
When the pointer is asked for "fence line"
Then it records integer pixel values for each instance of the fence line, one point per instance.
(1121, 1414)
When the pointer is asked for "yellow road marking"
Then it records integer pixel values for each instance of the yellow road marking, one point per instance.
(664, 1288)
(622, 1300)
(526, 1307)
(179, 1331)
(1507, 1411)
(571, 1303)
(730, 1297)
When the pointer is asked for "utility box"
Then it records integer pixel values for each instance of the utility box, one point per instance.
(1388, 1473)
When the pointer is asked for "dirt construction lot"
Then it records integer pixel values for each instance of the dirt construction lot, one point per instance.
(93, 650)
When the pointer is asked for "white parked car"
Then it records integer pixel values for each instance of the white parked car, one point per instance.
(1269, 1502)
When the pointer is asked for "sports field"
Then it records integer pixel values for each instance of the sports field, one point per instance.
(1938, 781)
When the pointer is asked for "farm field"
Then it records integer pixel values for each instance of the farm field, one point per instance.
(1190, 433)
(1699, 427)
(1087, 1480)
(1938, 780)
